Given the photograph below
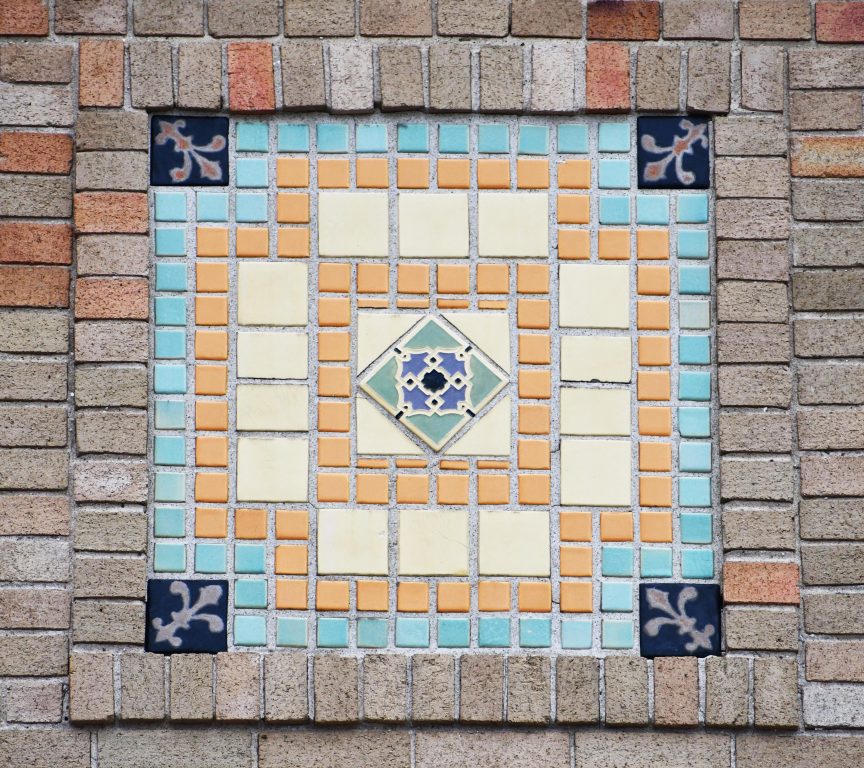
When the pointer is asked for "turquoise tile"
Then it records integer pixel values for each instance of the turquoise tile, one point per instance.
(212, 206)
(694, 457)
(169, 486)
(412, 137)
(170, 276)
(576, 634)
(617, 634)
(696, 528)
(170, 310)
(694, 315)
(614, 174)
(493, 138)
(251, 206)
(694, 491)
(493, 633)
(616, 596)
(332, 633)
(210, 558)
(249, 558)
(169, 379)
(170, 242)
(169, 558)
(652, 209)
(170, 345)
(250, 630)
(573, 139)
(694, 421)
(692, 209)
(692, 244)
(453, 139)
(250, 593)
(292, 137)
(613, 137)
(656, 562)
(252, 137)
(331, 137)
(169, 450)
(535, 633)
(251, 172)
(697, 563)
(372, 633)
(412, 632)
(533, 140)
(694, 350)
(454, 633)
(617, 561)
(614, 209)
(170, 414)
(371, 138)
(694, 385)
(170, 206)
(291, 632)
(169, 522)
(694, 280)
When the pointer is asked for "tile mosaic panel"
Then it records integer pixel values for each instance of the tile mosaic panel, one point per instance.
(432, 385)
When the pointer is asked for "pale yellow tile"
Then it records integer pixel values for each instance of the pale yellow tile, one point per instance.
(487, 436)
(433, 542)
(377, 434)
(490, 331)
(272, 293)
(273, 407)
(595, 472)
(378, 330)
(262, 465)
(595, 411)
(594, 296)
(262, 355)
(513, 224)
(433, 225)
(353, 224)
(352, 541)
(596, 358)
(513, 543)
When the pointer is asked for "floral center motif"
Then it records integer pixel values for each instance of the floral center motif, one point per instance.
(694, 135)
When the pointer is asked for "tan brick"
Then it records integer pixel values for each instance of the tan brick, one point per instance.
(832, 291)
(106, 576)
(25, 608)
(752, 302)
(238, 682)
(32, 152)
(191, 692)
(34, 469)
(839, 22)
(607, 77)
(33, 331)
(351, 77)
(832, 564)
(33, 426)
(757, 527)
(832, 705)
(753, 343)
(433, 688)
(485, 18)
(140, 748)
(91, 687)
(168, 18)
(385, 687)
(823, 200)
(285, 694)
(35, 196)
(110, 480)
(762, 78)
(826, 67)
(698, 19)
(111, 341)
(753, 260)
(33, 654)
(531, 749)
(501, 87)
(401, 77)
(112, 129)
(42, 105)
(142, 686)
(835, 661)
(24, 17)
(112, 255)
(335, 689)
(750, 135)
(824, 110)
(111, 385)
(151, 74)
(107, 212)
(832, 475)
(727, 684)
(319, 18)
(124, 171)
(33, 515)
(774, 19)
(745, 219)
(482, 689)
(755, 385)
(100, 73)
(760, 629)
(111, 432)
(303, 85)
(104, 621)
(760, 582)
(35, 243)
(251, 85)
(708, 75)
(775, 693)
(553, 65)
(42, 63)
(642, 749)
(828, 156)
(90, 17)
(243, 18)
(101, 298)
(626, 679)
(449, 77)
(314, 748)
(577, 682)
(199, 75)
(34, 287)
(406, 18)
(658, 75)
(29, 380)
(34, 701)
(545, 18)
(42, 748)
(832, 519)
(676, 691)
(528, 690)
(755, 431)
(829, 337)
(111, 529)
(830, 429)
(34, 560)
(834, 613)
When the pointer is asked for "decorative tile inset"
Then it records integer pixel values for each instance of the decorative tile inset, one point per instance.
(186, 616)
(673, 153)
(679, 619)
(188, 151)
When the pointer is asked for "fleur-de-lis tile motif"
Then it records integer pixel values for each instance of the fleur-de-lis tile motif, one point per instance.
(188, 151)
(679, 619)
(673, 153)
(186, 616)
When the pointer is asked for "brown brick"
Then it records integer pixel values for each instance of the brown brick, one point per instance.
(760, 582)
(107, 576)
(319, 18)
(285, 691)
(112, 255)
(744, 219)
(449, 77)
(238, 680)
(832, 564)
(485, 18)
(406, 18)
(351, 77)
(829, 337)
(757, 527)
(828, 156)
(763, 751)
(708, 76)
(753, 343)
(34, 515)
(30, 152)
(824, 110)
(104, 298)
(762, 78)
(756, 478)
(760, 629)
(832, 519)
(401, 77)
(35, 426)
(626, 681)
(199, 75)
(110, 385)
(775, 692)
(577, 681)
(34, 287)
(433, 688)
(108, 621)
(111, 529)
(107, 212)
(482, 689)
(826, 67)
(33, 331)
(727, 683)
(832, 475)
(303, 85)
(385, 688)
(828, 290)
(91, 687)
(34, 701)
(751, 177)
(528, 690)
(607, 77)
(191, 693)
(553, 67)
(314, 748)
(752, 260)
(830, 429)
(41, 748)
(501, 78)
(100, 73)
(698, 19)
(599, 749)
(250, 77)
(243, 18)
(90, 17)
(33, 654)
(839, 22)
(756, 302)
(755, 431)
(36, 63)
(24, 17)
(828, 200)
(25, 469)
(23, 608)
(29, 242)
(633, 20)
(837, 661)
(110, 480)
(750, 135)
(111, 342)
(112, 129)
(834, 613)
(545, 18)
(142, 686)
(658, 75)
(676, 691)
(36, 560)
(151, 74)
(469, 748)
(774, 19)
(35, 196)
(28, 380)
(755, 385)
(335, 688)
(140, 748)
(168, 18)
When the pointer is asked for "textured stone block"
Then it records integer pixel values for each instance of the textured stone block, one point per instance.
(641, 749)
(485, 18)
(91, 687)
(768, 581)
(751, 177)
(111, 529)
(238, 683)
(482, 689)
(545, 18)
(33, 426)
(34, 469)
(761, 629)
(830, 429)
(385, 687)
(626, 679)
(676, 691)
(303, 85)
(755, 431)
(828, 337)
(634, 20)
(752, 219)
(34, 515)
(23, 608)
(111, 385)
(112, 255)
(832, 564)
(111, 341)
(775, 693)
(658, 76)
(708, 71)
(752, 260)
(832, 246)
(42, 105)
(335, 688)
(528, 690)
(553, 68)
(199, 75)
(774, 19)
(756, 527)
(35, 243)
(26, 380)
(42, 63)
(531, 749)
(195, 748)
(111, 212)
(191, 690)
(33, 654)
(111, 432)
(168, 18)
(835, 662)
(126, 171)
(826, 67)
(727, 692)
(834, 613)
(824, 110)
(112, 129)
(577, 689)
(103, 298)
(110, 480)
(35, 196)
(754, 385)
(106, 576)
(833, 706)
(40, 748)
(829, 519)
(832, 291)
(350, 77)
(243, 18)
(33, 331)
(501, 86)
(35, 152)
(756, 302)
(34, 701)
(749, 135)
(828, 156)
(34, 560)
(142, 686)
(314, 748)
(381, 18)
(433, 688)
(319, 18)
(285, 693)
(753, 343)
(401, 77)
(832, 475)
(100, 73)
(449, 77)
(698, 19)
(607, 77)
(251, 87)
(151, 74)
(90, 17)
(103, 621)
(762, 78)
(24, 17)
(839, 21)
(34, 287)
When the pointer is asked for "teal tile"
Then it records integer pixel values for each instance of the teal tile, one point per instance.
(613, 137)
(412, 137)
(250, 630)
(169, 486)
(412, 632)
(694, 385)
(572, 139)
(694, 315)
(694, 457)
(656, 562)
(617, 634)
(652, 209)
(169, 522)
(692, 209)
(694, 280)
(493, 633)
(291, 632)
(372, 633)
(210, 558)
(331, 137)
(169, 558)
(371, 138)
(250, 593)
(170, 310)
(169, 379)
(614, 174)
(170, 242)
(251, 207)
(252, 137)
(694, 491)
(251, 172)
(249, 558)
(616, 596)
(332, 633)
(170, 414)
(694, 421)
(493, 138)
(169, 344)
(694, 350)
(696, 528)
(576, 634)
(169, 450)
(617, 561)
(170, 276)
(535, 633)
(697, 564)
(614, 209)
(292, 137)
(454, 633)
(692, 244)
(453, 139)
(170, 206)
(533, 140)
(212, 206)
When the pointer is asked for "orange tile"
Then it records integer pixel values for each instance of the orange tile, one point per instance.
(412, 278)
(412, 173)
(212, 241)
(334, 381)
(373, 278)
(211, 310)
(372, 595)
(492, 464)
(372, 463)
(412, 489)
(412, 596)
(211, 345)
(655, 527)
(493, 595)
(493, 174)
(655, 350)
(535, 384)
(332, 487)
(532, 278)
(652, 244)
(534, 419)
(453, 489)
(253, 241)
(493, 489)
(334, 451)
(653, 385)
(534, 489)
(451, 464)
(371, 303)
(453, 278)
(250, 523)
(291, 594)
(411, 463)
(412, 303)
(292, 242)
(334, 278)
(576, 561)
(211, 487)
(655, 457)
(574, 209)
(492, 304)
(211, 379)
(372, 173)
(292, 524)
(292, 172)
(535, 596)
(652, 315)
(655, 491)
(211, 523)
(292, 208)
(493, 278)
(533, 454)
(533, 314)
(372, 489)
(334, 347)
(334, 417)
(291, 559)
(332, 595)
(574, 244)
(454, 174)
(576, 597)
(334, 312)
(454, 597)
(655, 421)
(211, 277)
(211, 451)
(211, 415)
(613, 244)
(333, 173)
(616, 526)
(535, 349)
(652, 281)
(532, 173)
(576, 526)
(574, 174)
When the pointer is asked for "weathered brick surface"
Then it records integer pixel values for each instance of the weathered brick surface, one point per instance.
(110, 576)
(449, 77)
(840, 22)
(433, 688)
(36, 330)
(762, 78)
(310, 748)
(760, 582)
(401, 77)
(754, 385)
(34, 287)
(837, 661)
(32, 152)
(351, 77)
(142, 686)
(826, 68)
(708, 68)
(143, 748)
(832, 475)
(35, 196)
(34, 560)
(528, 690)
(658, 75)
(33, 654)
(91, 687)
(834, 290)
(34, 469)
(501, 88)
(743, 219)
(24, 17)
(698, 19)
(635, 20)
(199, 75)
(764, 751)
(829, 337)
(830, 429)
(775, 692)
(552, 77)
(406, 18)
(243, 18)
(123, 298)
(750, 135)
(486, 18)
(100, 73)
(607, 77)
(34, 515)
(32, 701)
(41, 748)
(335, 689)
(238, 680)
(107, 212)
(832, 519)
(482, 689)
(760, 629)
(753, 260)
(169, 18)
(112, 255)
(828, 156)
(191, 686)
(465, 747)
(26, 608)
(753, 343)
(545, 18)
(111, 529)
(29, 242)
(759, 527)
(599, 749)
(833, 705)
(250, 77)
(385, 683)
(755, 431)
(114, 341)
(151, 74)
(824, 110)
(577, 696)
(108, 622)
(834, 614)
(20, 380)
(325, 18)
(832, 564)
(774, 19)
(112, 129)
(36, 426)
(36, 105)
(111, 385)
(831, 246)
(90, 17)
(285, 688)
(303, 85)
(755, 302)
(727, 683)
(626, 679)
(110, 480)
(676, 691)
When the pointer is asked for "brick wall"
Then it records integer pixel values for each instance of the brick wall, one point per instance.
(784, 79)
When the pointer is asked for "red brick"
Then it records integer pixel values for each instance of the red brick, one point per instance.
(23, 17)
(250, 77)
(34, 287)
(822, 156)
(760, 582)
(111, 298)
(624, 20)
(31, 152)
(607, 77)
(27, 242)
(100, 71)
(840, 22)
(111, 212)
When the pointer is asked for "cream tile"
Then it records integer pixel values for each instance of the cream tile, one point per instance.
(594, 296)
(377, 434)
(272, 469)
(262, 355)
(433, 225)
(513, 224)
(490, 331)
(378, 330)
(273, 407)
(596, 358)
(514, 543)
(433, 542)
(352, 541)
(595, 411)
(595, 473)
(270, 293)
(353, 224)
(488, 436)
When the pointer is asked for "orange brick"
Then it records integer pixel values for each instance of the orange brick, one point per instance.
(212, 241)
(24, 17)
(332, 595)
(493, 174)
(574, 244)
(292, 524)
(253, 241)
(635, 20)
(250, 77)
(211, 345)
(613, 244)
(454, 597)
(616, 526)
(211, 451)
(493, 278)
(535, 384)
(211, 310)
(111, 212)
(372, 489)
(576, 561)
(607, 77)
(655, 421)
(334, 381)
(574, 174)
(30, 242)
(533, 314)
(292, 172)
(534, 419)
(334, 312)
(291, 559)
(653, 281)
(334, 347)
(653, 385)
(372, 595)
(576, 526)
(412, 596)
(534, 454)
(532, 173)
(292, 208)
(453, 489)
(292, 242)
(292, 594)
(535, 596)
(412, 489)
(493, 596)
(574, 209)
(652, 315)
(652, 244)
(761, 582)
(333, 173)
(211, 379)
(535, 349)
(211, 277)
(34, 287)
(655, 457)
(211, 487)
(100, 72)
(31, 152)
(655, 350)
(493, 489)
(655, 527)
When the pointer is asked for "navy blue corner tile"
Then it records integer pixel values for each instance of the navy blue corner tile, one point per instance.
(673, 153)
(679, 619)
(188, 151)
(185, 616)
